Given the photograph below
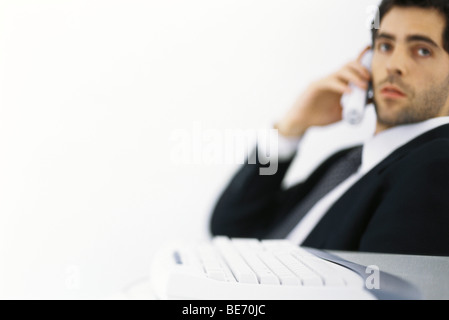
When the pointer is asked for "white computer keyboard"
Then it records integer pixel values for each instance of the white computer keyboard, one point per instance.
(249, 269)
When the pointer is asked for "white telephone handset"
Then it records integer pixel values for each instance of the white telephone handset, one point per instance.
(354, 102)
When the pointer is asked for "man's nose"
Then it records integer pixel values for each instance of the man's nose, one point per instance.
(396, 64)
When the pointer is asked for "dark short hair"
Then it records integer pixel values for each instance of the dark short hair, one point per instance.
(441, 6)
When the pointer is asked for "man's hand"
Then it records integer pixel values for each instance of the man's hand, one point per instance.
(319, 105)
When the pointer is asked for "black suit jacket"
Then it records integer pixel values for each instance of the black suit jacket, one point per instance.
(400, 206)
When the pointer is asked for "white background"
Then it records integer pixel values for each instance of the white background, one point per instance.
(93, 96)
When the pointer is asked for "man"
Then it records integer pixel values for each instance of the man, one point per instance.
(397, 199)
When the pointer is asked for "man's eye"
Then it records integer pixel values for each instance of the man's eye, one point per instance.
(384, 47)
(423, 52)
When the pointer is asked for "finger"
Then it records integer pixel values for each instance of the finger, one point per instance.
(359, 58)
(338, 86)
(348, 75)
(360, 69)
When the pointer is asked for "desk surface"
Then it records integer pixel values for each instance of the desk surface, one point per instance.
(429, 274)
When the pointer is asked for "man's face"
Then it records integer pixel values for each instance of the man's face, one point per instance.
(410, 68)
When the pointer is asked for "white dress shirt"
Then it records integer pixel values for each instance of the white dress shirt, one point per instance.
(375, 149)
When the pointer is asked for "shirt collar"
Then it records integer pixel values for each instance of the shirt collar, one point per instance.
(381, 145)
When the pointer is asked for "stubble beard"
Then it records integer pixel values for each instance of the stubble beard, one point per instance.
(418, 107)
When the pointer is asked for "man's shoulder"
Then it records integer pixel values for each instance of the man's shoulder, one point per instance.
(430, 145)
(428, 153)
(431, 156)
(434, 149)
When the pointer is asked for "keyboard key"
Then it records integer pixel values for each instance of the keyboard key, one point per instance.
(216, 274)
(248, 250)
(286, 277)
(307, 276)
(237, 264)
(329, 275)
(213, 264)
(349, 277)
(264, 274)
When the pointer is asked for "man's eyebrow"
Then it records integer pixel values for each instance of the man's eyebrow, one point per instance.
(385, 36)
(410, 38)
(417, 37)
